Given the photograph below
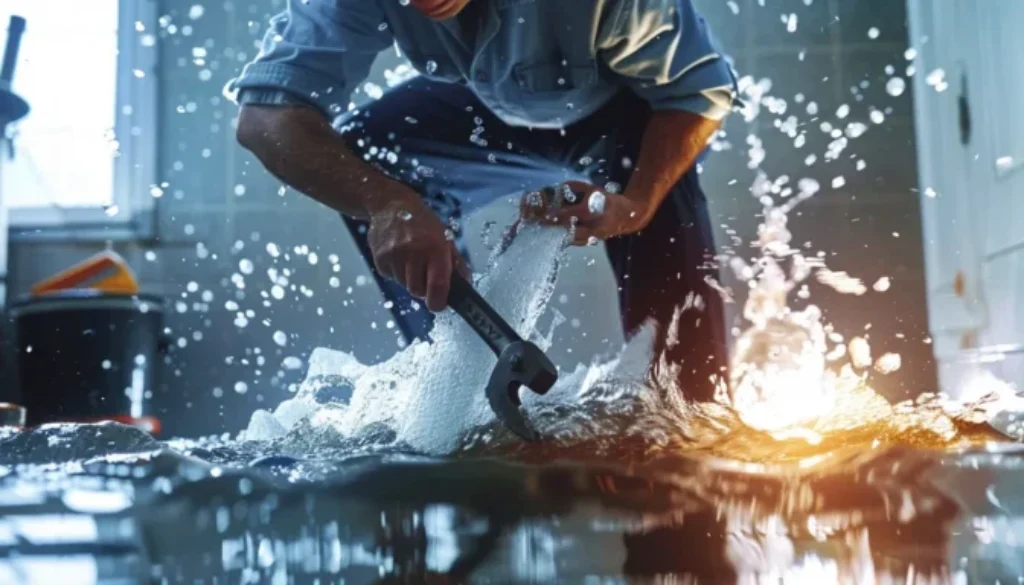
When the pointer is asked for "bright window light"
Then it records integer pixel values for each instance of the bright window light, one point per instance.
(67, 70)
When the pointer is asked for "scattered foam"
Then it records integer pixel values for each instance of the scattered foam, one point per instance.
(429, 393)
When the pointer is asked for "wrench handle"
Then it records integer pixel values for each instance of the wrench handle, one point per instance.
(480, 315)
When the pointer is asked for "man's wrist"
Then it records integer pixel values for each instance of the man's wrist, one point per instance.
(390, 196)
(644, 201)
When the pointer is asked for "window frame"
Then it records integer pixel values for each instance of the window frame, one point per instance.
(135, 168)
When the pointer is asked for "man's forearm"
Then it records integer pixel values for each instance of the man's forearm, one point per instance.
(299, 147)
(671, 144)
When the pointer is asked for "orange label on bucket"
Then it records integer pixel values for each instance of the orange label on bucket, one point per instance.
(105, 272)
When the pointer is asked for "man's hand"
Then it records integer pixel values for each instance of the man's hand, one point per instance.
(409, 245)
(408, 242)
(592, 213)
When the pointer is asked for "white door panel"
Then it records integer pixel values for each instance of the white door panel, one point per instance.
(997, 110)
(951, 253)
(1004, 282)
(971, 153)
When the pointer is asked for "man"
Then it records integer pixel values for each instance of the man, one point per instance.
(618, 97)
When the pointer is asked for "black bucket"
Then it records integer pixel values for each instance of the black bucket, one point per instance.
(85, 356)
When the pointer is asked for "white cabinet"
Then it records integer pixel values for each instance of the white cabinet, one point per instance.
(970, 133)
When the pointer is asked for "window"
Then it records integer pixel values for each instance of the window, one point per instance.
(84, 154)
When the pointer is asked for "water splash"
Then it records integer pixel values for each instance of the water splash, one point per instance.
(798, 389)
(428, 394)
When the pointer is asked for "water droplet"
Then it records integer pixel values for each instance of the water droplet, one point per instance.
(382, 26)
(241, 387)
(877, 116)
(196, 11)
(895, 86)
(873, 33)
(373, 91)
(937, 79)
(856, 129)
(280, 338)
(431, 67)
(106, 365)
(404, 215)
(561, 81)
(245, 266)
(449, 235)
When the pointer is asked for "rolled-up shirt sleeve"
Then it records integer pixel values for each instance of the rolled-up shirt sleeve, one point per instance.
(315, 52)
(664, 51)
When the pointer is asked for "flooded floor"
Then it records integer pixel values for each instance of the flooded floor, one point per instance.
(108, 504)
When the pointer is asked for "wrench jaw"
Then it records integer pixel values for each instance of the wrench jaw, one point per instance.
(520, 364)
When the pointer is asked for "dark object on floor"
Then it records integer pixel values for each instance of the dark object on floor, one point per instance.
(12, 415)
(520, 363)
(85, 356)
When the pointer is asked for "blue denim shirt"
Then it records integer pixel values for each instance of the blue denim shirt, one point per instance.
(538, 63)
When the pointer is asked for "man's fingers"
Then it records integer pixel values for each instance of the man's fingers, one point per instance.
(439, 275)
(535, 204)
(582, 236)
(383, 267)
(416, 278)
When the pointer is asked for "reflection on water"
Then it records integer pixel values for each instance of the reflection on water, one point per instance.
(214, 512)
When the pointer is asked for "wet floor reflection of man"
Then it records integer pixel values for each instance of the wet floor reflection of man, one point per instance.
(611, 103)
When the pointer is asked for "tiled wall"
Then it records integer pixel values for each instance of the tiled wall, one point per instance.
(220, 207)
